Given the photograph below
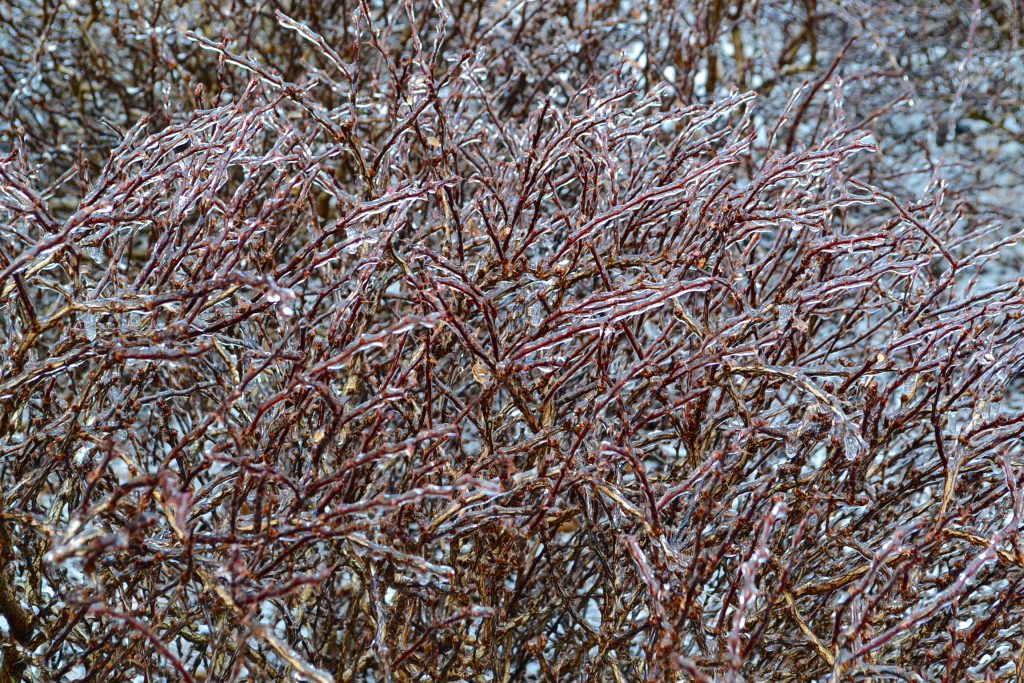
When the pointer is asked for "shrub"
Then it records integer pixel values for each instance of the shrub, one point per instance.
(451, 343)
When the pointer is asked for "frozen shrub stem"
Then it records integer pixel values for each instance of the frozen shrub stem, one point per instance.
(481, 341)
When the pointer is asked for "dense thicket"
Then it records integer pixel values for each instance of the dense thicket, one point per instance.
(484, 341)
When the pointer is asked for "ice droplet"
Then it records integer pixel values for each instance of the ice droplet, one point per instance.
(853, 445)
(283, 300)
(480, 373)
(95, 254)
